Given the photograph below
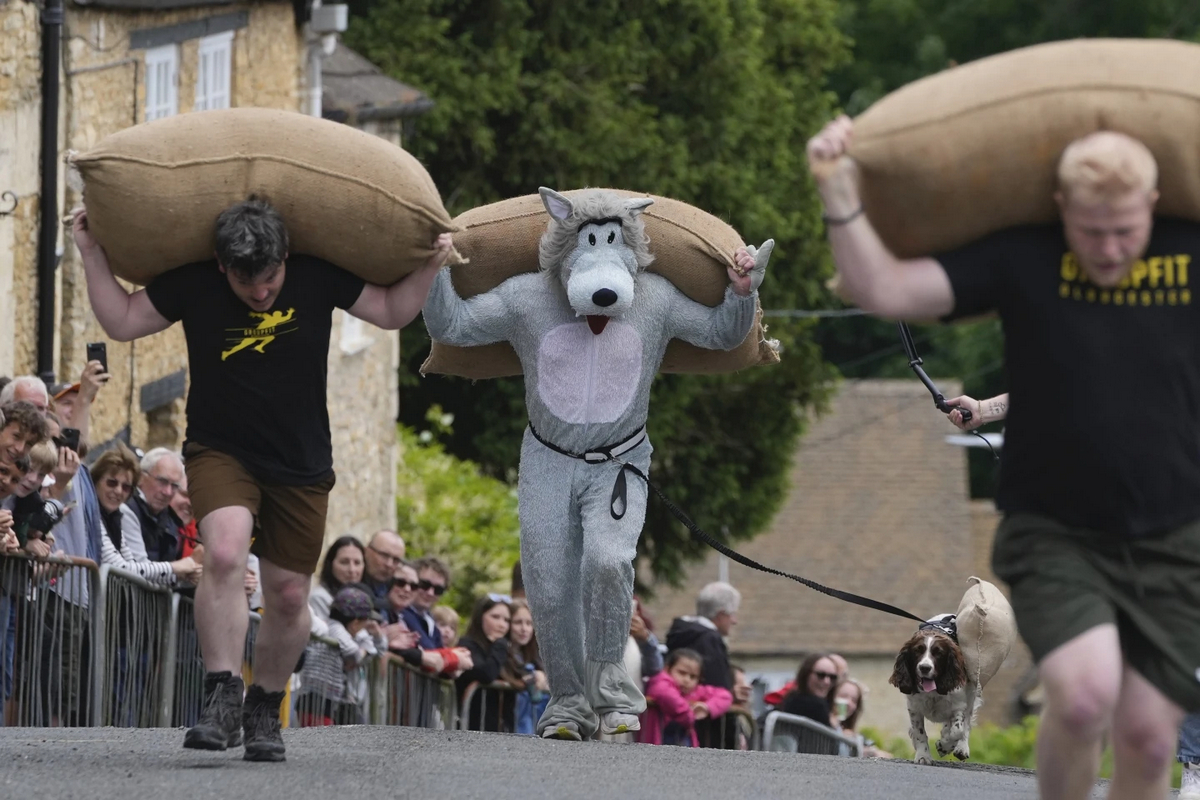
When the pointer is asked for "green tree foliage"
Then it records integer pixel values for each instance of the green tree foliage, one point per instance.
(446, 507)
(707, 101)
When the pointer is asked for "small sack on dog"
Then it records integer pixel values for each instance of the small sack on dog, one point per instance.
(986, 630)
(691, 248)
(153, 191)
(974, 149)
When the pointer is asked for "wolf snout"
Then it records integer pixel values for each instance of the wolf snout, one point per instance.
(604, 297)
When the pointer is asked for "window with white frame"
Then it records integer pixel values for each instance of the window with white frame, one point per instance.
(212, 71)
(162, 82)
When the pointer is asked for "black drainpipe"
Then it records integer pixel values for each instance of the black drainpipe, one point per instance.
(52, 21)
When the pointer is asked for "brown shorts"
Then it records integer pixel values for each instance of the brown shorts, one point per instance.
(289, 521)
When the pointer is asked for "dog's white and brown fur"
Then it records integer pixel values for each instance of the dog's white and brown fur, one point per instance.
(931, 671)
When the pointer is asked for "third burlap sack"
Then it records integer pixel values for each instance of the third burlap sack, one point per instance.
(973, 149)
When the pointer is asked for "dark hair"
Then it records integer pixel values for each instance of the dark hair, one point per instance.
(251, 238)
(518, 581)
(327, 580)
(806, 668)
(520, 655)
(851, 722)
(434, 563)
(679, 654)
(26, 416)
(643, 613)
(475, 629)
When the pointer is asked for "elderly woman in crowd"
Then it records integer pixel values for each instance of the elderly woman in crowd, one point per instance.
(115, 474)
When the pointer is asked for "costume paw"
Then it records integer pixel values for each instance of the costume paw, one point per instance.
(761, 256)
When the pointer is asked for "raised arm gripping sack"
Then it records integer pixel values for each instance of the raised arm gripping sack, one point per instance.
(691, 248)
(986, 630)
(974, 149)
(153, 191)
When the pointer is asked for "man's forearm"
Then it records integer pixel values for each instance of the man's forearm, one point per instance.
(110, 301)
(995, 409)
(404, 300)
(862, 259)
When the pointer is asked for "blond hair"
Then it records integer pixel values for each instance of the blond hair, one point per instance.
(1106, 166)
(43, 457)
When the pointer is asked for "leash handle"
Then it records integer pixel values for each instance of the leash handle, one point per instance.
(724, 550)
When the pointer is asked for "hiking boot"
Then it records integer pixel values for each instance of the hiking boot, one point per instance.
(615, 722)
(220, 724)
(1189, 784)
(260, 721)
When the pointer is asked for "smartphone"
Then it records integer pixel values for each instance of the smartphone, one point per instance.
(70, 438)
(98, 351)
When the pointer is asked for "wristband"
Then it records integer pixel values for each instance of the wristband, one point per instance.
(828, 220)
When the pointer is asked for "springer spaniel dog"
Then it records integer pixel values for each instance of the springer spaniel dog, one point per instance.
(930, 669)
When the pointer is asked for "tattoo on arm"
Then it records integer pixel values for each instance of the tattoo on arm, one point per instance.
(997, 409)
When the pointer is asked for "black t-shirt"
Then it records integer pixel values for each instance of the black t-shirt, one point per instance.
(1104, 422)
(258, 378)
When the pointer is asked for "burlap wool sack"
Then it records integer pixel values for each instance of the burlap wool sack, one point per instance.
(986, 629)
(691, 249)
(153, 191)
(971, 150)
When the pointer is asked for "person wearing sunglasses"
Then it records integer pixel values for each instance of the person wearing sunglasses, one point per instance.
(433, 579)
(816, 681)
(116, 473)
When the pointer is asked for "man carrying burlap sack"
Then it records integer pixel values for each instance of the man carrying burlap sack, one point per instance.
(1100, 481)
(258, 451)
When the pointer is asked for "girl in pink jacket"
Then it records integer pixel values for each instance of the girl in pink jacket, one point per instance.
(675, 700)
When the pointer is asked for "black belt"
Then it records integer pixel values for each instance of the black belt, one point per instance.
(617, 506)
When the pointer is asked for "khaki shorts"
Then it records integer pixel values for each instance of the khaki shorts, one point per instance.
(289, 521)
(1066, 581)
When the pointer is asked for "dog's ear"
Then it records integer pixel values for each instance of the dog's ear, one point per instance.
(952, 673)
(902, 673)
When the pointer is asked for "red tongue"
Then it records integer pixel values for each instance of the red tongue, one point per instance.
(928, 685)
(597, 322)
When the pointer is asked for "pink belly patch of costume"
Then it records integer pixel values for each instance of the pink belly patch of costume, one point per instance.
(585, 377)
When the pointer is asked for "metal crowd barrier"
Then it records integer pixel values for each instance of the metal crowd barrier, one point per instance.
(736, 729)
(137, 653)
(49, 638)
(402, 694)
(788, 733)
(487, 707)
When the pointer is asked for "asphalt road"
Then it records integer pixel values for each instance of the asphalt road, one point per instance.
(373, 763)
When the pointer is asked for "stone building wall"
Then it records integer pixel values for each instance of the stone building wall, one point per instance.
(103, 91)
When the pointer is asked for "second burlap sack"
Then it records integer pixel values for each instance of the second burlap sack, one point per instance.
(153, 191)
(691, 248)
(974, 149)
(987, 630)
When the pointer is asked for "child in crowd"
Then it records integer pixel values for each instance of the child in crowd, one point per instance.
(447, 620)
(353, 611)
(675, 700)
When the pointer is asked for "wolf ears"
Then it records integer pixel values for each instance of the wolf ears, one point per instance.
(556, 204)
(560, 207)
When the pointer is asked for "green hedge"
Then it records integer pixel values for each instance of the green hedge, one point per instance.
(1014, 746)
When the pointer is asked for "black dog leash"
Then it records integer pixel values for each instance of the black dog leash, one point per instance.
(939, 400)
(602, 455)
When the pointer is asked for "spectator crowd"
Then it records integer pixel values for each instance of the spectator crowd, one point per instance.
(130, 509)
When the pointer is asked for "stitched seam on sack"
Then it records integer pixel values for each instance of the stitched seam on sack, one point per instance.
(1015, 99)
(714, 251)
(289, 161)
